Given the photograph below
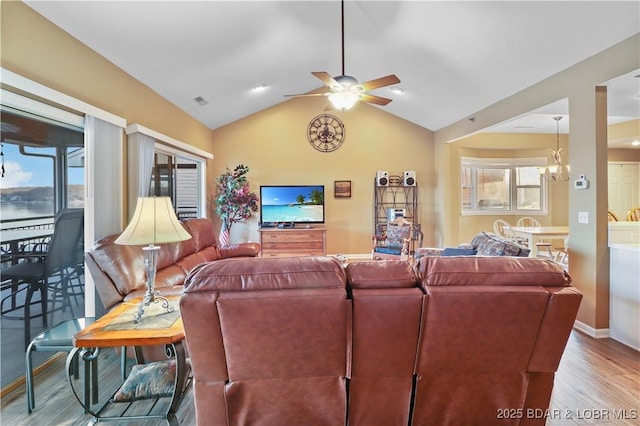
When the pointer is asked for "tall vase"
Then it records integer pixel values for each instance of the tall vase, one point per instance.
(223, 239)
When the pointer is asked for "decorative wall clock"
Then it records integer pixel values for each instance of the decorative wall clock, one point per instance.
(326, 133)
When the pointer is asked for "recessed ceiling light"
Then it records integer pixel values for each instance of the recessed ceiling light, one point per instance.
(260, 88)
(201, 101)
(397, 90)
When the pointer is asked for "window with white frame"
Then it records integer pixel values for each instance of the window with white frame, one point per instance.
(178, 177)
(502, 185)
(163, 166)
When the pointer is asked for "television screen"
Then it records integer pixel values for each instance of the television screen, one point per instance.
(291, 203)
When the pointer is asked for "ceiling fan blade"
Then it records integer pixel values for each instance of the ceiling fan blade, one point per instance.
(326, 78)
(372, 99)
(380, 82)
(300, 95)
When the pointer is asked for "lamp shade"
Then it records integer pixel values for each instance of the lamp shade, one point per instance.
(153, 222)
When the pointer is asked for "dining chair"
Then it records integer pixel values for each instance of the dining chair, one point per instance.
(530, 222)
(562, 255)
(503, 228)
(37, 270)
(633, 215)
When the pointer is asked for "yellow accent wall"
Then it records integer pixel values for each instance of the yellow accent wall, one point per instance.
(274, 144)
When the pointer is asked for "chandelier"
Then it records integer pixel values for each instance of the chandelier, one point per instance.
(557, 171)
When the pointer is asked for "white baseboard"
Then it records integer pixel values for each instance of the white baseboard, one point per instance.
(600, 333)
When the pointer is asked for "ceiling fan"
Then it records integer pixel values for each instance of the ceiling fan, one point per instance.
(345, 90)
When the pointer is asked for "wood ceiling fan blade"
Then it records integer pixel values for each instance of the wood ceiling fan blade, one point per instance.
(380, 82)
(373, 99)
(326, 79)
(300, 95)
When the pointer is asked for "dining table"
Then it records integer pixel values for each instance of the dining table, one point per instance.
(537, 233)
(13, 237)
(12, 242)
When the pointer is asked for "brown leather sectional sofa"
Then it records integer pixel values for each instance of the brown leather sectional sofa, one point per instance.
(119, 272)
(304, 341)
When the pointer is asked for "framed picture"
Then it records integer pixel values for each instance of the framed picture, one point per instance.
(342, 188)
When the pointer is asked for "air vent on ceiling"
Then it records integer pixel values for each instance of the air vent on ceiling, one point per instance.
(201, 101)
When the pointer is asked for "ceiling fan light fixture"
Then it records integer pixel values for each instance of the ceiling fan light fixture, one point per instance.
(346, 81)
(346, 90)
(343, 100)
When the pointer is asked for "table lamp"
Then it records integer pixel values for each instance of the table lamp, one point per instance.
(153, 222)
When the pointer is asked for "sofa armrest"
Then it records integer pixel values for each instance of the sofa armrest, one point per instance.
(108, 293)
(240, 250)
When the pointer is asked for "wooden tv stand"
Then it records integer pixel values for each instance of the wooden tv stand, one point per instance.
(301, 240)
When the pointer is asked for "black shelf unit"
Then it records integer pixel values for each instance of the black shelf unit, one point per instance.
(396, 196)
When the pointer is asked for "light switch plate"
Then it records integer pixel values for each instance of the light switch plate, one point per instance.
(583, 217)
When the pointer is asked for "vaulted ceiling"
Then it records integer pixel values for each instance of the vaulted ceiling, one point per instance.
(453, 58)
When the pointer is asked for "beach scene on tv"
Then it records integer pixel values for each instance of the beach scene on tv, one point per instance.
(292, 204)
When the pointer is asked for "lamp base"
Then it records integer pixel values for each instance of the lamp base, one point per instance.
(151, 253)
(151, 297)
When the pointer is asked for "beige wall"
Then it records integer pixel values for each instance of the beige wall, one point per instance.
(618, 154)
(626, 132)
(502, 145)
(274, 144)
(588, 263)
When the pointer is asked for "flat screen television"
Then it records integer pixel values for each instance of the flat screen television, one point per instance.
(291, 204)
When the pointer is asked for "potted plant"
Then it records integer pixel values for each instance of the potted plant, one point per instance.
(234, 201)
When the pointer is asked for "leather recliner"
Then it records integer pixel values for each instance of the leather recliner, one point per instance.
(119, 273)
(305, 341)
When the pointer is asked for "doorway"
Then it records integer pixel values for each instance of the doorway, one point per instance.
(43, 163)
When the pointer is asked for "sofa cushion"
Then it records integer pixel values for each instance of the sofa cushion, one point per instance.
(267, 274)
(396, 250)
(491, 271)
(374, 274)
(202, 233)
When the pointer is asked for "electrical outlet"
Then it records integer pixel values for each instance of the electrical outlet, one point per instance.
(583, 217)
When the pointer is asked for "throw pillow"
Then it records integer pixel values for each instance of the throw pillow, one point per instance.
(152, 380)
(397, 234)
(449, 251)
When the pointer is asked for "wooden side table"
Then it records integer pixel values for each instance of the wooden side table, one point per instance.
(117, 328)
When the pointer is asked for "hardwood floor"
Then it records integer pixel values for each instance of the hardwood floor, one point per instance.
(598, 383)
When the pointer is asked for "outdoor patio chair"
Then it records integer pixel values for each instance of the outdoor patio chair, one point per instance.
(37, 270)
